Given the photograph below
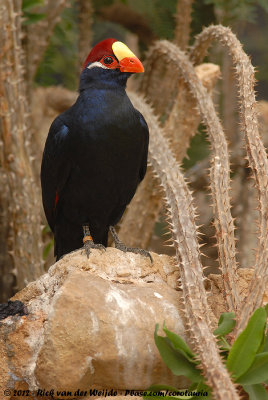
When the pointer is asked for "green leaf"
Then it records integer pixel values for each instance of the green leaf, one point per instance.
(226, 324)
(175, 360)
(46, 229)
(28, 4)
(256, 392)
(265, 345)
(178, 343)
(223, 344)
(258, 372)
(263, 4)
(266, 305)
(47, 249)
(245, 347)
(202, 387)
(32, 18)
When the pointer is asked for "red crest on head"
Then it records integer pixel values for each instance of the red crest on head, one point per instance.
(103, 48)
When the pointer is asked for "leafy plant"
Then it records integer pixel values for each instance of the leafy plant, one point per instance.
(246, 359)
(50, 244)
(61, 52)
(29, 16)
(237, 10)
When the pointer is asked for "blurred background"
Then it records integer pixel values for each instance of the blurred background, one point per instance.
(143, 21)
(56, 39)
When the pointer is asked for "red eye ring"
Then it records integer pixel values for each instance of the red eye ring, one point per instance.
(112, 62)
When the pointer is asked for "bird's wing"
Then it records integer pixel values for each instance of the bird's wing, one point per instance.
(145, 131)
(55, 168)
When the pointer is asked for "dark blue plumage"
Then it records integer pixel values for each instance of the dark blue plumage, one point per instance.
(94, 158)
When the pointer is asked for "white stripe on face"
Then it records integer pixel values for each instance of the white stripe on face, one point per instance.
(97, 64)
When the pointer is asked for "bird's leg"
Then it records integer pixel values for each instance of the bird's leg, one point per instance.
(121, 246)
(88, 241)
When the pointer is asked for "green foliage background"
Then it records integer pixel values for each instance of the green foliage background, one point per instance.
(246, 359)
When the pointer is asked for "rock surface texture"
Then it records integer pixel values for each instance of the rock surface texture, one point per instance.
(91, 324)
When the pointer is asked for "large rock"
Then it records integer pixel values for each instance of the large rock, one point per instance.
(91, 324)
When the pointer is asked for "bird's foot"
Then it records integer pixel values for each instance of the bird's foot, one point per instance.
(135, 250)
(121, 246)
(88, 242)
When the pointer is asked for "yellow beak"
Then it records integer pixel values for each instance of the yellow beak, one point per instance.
(127, 60)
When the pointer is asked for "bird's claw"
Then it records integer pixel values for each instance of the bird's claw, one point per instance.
(136, 250)
(88, 241)
(89, 244)
(121, 246)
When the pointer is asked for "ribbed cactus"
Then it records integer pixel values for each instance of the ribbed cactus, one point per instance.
(255, 152)
(168, 144)
(181, 211)
(180, 203)
(180, 126)
(183, 23)
(19, 194)
(220, 170)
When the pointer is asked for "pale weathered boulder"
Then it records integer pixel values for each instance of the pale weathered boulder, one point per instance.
(91, 324)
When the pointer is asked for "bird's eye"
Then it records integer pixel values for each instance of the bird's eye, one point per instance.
(108, 60)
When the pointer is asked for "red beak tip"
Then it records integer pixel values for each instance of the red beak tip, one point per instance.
(131, 64)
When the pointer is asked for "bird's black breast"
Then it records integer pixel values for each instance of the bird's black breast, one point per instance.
(106, 151)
